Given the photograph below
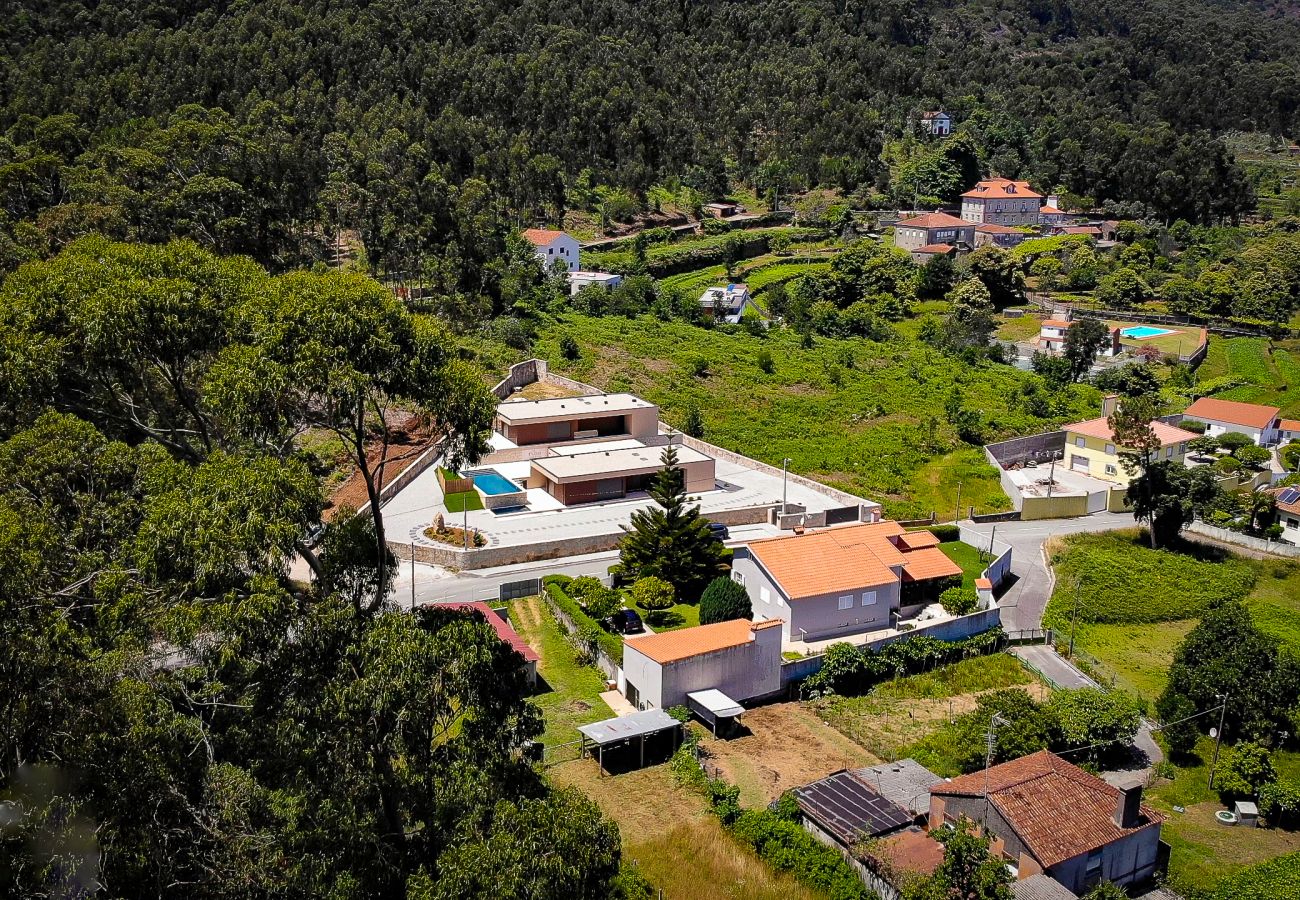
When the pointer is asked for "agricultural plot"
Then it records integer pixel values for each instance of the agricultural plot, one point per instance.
(1270, 371)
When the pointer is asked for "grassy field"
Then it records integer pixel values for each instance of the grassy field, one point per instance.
(969, 558)
(1183, 340)
(569, 693)
(1137, 604)
(1021, 328)
(1271, 371)
(759, 273)
(681, 615)
(863, 416)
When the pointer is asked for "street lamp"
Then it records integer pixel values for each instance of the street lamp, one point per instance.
(956, 516)
(785, 472)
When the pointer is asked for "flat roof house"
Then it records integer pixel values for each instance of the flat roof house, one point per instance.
(1051, 339)
(579, 280)
(1259, 423)
(740, 658)
(728, 303)
(549, 246)
(1090, 448)
(1048, 816)
(1001, 201)
(839, 581)
(593, 474)
(933, 234)
(555, 421)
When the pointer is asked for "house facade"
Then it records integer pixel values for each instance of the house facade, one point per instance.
(550, 246)
(593, 473)
(564, 419)
(1051, 339)
(1261, 424)
(740, 658)
(579, 280)
(1090, 449)
(1287, 506)
(936, 123)
(1288, 430)
(846, 580)
(998, 235)
(728, 303)
(933, 234)
(1050, 213)
(1001, 201)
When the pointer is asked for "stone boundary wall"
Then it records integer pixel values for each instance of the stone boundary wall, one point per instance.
(568, 383)
(1225, 536)
(1001, 565)
(521, 375)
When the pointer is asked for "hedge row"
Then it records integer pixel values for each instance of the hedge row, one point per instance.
(850, 670)
(589, 630)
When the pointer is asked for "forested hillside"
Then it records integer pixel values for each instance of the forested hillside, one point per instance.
(258, 127)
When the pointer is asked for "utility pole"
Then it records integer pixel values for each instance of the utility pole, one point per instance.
(785, 472)
(1051, 475)
(1218, 736)
(988, 762)
(465, 524)
(1074, 617)
(956, 516)
(412, 576)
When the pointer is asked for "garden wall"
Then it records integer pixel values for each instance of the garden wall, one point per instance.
(997, 570)
(1243, 540)
(521, 375)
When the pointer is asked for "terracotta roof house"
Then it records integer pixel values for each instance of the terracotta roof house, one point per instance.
(1001, 201)
(934, 233)
(1090, 448)
(503, 629)
(1091, 231)
(1046, 815)
(1286, 503)
(1050, 213)
(1288, 430)
(839, 581)
(1259, 423)
(552, 246)
(739, 657)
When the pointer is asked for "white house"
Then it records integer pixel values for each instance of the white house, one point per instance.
(1051, 339)
(1001, 201)
(936, 123)
(1288, 430)
(552, 245)
(1288, 513)
(1259, 423)
(579, 280)
(739, 657)
(728, 303)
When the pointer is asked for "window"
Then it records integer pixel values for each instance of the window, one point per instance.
(764, 595)
(846, 602)
(1110, 470)
(1110, 449)
(737, 577)
(869, 598)
(1182, 448)
(1079, 442)
(550, 251)
(1169, 453)
(1094, 866)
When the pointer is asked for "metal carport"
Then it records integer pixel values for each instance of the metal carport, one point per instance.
(622, 731)
(713, 707)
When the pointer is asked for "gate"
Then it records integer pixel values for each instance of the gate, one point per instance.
(513, 590)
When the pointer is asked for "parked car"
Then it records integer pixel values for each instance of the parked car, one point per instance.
(625, 621)
(719, 531)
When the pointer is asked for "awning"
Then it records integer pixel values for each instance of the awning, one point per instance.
(717, 703)
(622, 728)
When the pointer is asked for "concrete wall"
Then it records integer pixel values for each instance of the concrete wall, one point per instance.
(750, 670)
(521, 375)
(1056, 507)
(814, 618)
(1243, 540)
(1129, 860)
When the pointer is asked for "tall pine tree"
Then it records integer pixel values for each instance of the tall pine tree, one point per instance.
(670, 540)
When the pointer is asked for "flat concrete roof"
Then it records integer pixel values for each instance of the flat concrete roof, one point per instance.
(624, 444)
(602, 463)
(520, 412)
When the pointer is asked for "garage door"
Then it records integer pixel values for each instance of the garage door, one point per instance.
(1079, 464)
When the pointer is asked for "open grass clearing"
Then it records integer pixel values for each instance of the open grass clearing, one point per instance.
(1020, 328)
(1182, 339)
(867, 417)
(1132, 657)
(786, 745)
(570, 693)
(680, 615)
(1270, 369)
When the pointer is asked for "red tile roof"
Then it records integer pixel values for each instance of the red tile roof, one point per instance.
(503, 629)
(912, 850)
(1289, 424)
(837, 559)
(935, 220)
(1002, 189)
(1250, 415)
(541, 237)
(1091, 230)
(927, 563)
(1100, 428)
(1058, 323)
(914, 540)
(1058, 810)
(990, 228)
(935, 248)
(1293, 507)
(672, 646)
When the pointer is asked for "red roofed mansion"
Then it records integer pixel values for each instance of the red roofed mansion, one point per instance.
(933, 233)
(1001, 201)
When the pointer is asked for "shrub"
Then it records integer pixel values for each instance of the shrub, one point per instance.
(765, 362)
(958, 601)
(724, 600)
(602, 602)
(651, 593)
(1252, 456)
(1279, 877)
(1232, 441)
(945, 533)
(698, 366)
(1280, 801)
(1243, 772)
(1227, 464)
(1091, 716)
(787, 847)
(589, 630)
(579, 588)
(569, 348)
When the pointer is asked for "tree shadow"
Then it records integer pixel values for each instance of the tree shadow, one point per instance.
(666, 618)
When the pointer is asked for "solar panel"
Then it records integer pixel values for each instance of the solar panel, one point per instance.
(849, 809)
(1290, 495)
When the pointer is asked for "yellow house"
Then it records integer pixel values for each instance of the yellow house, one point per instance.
(1090, 448)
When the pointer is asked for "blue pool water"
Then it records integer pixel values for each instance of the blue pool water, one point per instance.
(1141, 332)
(492, 483)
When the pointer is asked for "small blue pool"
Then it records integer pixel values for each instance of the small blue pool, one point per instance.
(492, 483)
(1142, 332)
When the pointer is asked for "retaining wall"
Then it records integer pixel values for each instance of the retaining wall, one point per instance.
(1058, 507)
(521, 375)
(1261, 545)
(611, 669)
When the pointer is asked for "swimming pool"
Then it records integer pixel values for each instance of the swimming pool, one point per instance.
(1142, 332)
(492, 483)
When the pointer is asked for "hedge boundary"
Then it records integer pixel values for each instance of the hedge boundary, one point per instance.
(588, 631)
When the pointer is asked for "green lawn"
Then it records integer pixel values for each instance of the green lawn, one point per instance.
(570, 692)
(1271, 371)
(867, 417)
(458, 502)
(681, 615)
(969, 558)
(1184, 339)
(1021, 328)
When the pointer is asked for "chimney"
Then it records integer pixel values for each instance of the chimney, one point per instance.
(1128, 805)
(1054, 201)
(1109, 404)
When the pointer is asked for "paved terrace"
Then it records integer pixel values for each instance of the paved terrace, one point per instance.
(412, 510)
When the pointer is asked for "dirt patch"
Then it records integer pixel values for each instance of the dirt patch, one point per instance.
(407, 441)
(541, 390)
(787, 745)
(646, 803)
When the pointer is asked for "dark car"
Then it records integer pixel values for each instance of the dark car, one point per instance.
(719, 531)
(625, 621)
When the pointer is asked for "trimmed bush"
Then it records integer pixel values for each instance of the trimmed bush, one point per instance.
(958, 601)
(724, 600)
(787, 847)
(589, 630)
(945, 533)
(651, 593)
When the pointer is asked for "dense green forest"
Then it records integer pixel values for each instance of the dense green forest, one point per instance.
(431, 126)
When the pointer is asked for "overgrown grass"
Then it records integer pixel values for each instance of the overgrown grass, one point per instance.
(1123, 581)
(864, 416)
(570, 694)
(1271, 371)
(1133, 657)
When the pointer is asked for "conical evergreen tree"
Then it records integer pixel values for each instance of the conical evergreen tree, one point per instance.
(671, 540)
